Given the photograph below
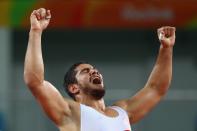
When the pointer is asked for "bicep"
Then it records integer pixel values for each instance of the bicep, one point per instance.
(140, 104)
(51, 101)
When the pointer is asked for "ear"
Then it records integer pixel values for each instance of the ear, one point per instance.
(73, 88)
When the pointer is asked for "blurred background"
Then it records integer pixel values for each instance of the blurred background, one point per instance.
(119, 38)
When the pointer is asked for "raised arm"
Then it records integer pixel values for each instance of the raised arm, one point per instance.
(48, 96)
(159, 80)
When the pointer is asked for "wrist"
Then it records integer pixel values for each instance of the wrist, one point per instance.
(162, 46)
(166, 48)
(35, 31)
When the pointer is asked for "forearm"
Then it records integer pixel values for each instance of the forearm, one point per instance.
(161, 75)
(34, 67)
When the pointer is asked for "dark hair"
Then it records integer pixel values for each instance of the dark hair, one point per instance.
(70, 77)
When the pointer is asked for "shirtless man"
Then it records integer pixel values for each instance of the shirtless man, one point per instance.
(84, 83)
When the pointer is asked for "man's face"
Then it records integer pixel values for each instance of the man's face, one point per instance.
(90, 80)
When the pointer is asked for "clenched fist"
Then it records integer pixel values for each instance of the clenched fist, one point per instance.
(166, 36)
(40, 19)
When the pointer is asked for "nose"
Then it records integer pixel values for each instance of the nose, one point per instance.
(94, 72)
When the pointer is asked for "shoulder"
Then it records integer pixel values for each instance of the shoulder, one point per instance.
(121, 103)
(124, 105)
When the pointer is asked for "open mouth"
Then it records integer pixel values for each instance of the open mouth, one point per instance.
(96, 80)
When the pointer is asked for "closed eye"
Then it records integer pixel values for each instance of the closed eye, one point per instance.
(85, 70)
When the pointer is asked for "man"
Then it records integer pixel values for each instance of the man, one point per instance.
(84, 83)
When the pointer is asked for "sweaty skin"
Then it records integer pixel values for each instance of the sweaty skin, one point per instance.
(65, 113)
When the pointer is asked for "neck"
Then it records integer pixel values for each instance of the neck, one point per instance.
(99, 105)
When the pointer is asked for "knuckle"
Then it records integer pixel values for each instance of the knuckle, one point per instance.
(42, 8)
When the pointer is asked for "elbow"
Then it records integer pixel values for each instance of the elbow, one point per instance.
(165, 86)
(31, 80)
(161, 87)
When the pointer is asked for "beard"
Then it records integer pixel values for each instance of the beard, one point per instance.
(96, 94)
